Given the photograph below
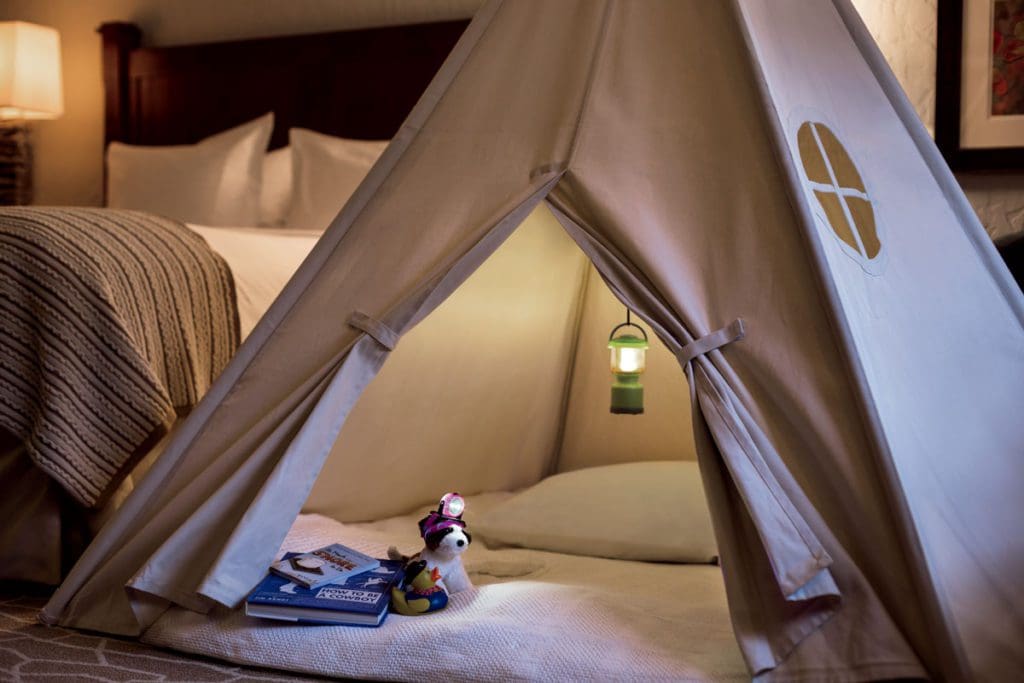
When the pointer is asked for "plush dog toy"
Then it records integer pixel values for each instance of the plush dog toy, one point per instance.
(445, 538)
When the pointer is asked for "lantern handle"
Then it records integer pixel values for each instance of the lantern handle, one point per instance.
(628, 323)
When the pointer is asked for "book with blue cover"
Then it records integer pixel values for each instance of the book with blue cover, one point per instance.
(329, 564)
(360, 600)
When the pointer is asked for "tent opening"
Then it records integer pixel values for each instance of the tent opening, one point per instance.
(583, 521)
(505, 383)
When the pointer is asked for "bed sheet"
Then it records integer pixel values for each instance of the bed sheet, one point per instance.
(262, 260)
(532, 615)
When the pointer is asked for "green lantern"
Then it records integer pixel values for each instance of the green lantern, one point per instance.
(629, 359)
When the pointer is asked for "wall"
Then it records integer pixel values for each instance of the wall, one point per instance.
(69, 150)
(906, 33)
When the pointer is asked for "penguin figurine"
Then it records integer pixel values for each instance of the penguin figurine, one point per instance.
(421, 591)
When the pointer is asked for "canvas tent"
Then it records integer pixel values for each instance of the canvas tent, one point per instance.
(753, 160)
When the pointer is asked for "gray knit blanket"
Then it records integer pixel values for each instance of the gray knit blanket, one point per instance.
(112, 323)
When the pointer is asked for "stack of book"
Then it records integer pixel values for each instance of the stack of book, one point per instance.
(332, 585)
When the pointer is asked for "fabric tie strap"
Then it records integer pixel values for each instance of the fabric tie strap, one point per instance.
(380, 332)
(547, 169)
(732, 332)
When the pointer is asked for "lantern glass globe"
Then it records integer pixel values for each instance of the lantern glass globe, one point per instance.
(628, 360)
(628, 355)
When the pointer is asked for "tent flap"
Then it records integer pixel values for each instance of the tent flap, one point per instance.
(278, 502)
(787, 573)
(797, 557)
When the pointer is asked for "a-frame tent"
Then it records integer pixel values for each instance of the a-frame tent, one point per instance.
(717, 161)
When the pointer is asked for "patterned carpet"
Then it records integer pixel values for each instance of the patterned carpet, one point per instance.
(30, 651)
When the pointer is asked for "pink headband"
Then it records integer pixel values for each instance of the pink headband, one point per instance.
(435, 522)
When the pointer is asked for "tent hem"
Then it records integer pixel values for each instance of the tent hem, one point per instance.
(162, 591)
(780, 650)
(851, 674)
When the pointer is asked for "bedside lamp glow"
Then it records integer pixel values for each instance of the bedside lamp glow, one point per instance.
(30, 76)
(628, 362)
(30, 88)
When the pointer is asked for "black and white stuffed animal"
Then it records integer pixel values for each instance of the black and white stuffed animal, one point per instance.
(445, 538)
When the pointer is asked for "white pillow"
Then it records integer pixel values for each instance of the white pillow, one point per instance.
(276, 191)
(650, 511)
(326, 171)
(213, 182)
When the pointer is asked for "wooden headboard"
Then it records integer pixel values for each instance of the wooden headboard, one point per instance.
(357, 84)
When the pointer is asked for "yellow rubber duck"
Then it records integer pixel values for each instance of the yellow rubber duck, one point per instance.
(421, 592)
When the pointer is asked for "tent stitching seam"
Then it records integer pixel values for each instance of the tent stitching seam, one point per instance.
(422, 292)
(613, 255)
(591, 77)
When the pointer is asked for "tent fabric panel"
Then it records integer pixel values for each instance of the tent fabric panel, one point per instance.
(699, 236)
(473, 393)
(381, 267)
(769, 631)
(929, 152)
(935, 403)
(1002, 631)
(768, 625)
(194, 519)
(827, 645)
(177, 512)
(89, 575)
(269, 514)
(434, 159)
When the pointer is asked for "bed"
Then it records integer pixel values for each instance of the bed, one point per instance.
(366, 81)
(532, 615)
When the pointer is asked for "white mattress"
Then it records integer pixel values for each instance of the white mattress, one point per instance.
(262, 260)
(532, 616)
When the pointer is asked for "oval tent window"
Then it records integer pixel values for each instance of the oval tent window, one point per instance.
(839, 189)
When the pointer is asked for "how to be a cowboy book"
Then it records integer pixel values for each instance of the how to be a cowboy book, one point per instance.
(360, 600)
(329, 564)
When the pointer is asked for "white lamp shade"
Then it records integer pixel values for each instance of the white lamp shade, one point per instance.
(30, 77)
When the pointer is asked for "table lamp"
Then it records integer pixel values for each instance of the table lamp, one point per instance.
(30, 88)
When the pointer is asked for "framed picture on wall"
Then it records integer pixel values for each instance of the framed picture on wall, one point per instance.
(979, 93)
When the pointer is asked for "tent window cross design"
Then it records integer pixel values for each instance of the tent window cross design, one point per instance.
(839, 189)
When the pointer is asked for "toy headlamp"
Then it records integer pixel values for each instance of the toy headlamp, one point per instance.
(452, 505)
(448, 514)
